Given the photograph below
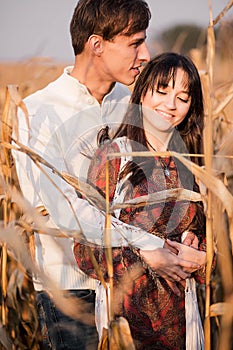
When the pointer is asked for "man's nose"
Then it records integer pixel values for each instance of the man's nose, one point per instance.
(144, 55)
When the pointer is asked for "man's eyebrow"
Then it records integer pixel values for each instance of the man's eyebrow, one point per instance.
(138, 40)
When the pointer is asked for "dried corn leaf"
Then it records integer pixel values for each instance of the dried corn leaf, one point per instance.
(13, 101)
(219, 309)
(226, 148)
(215, 185)
(86, 190)
(224, 256)
(33, 220)
(96, 199)
(223, 12)
(118, 336)
(68, 305)
(177, 194)
(210, 55)
(223, 161)
(9, 118)
(4, 338)
(14, 286)
(225, 100)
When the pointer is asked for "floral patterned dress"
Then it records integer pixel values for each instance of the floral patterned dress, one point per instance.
(155, 314)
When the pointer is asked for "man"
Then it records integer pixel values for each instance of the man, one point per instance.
(108, 39)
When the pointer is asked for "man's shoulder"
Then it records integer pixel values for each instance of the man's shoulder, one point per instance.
(43, 93)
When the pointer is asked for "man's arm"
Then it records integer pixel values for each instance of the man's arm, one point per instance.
(44, 188)
(41, 186)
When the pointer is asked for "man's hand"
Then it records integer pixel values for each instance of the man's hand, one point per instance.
(169, 266)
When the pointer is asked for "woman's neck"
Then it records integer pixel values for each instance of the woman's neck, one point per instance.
(159, 142)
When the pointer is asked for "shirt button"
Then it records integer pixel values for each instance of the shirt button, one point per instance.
(84, 91)
(90, 100)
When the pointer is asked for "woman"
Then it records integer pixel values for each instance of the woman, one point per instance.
(166, 113)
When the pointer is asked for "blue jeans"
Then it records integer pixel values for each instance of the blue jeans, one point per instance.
(59, 331)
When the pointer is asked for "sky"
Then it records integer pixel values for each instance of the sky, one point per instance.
(40, 28)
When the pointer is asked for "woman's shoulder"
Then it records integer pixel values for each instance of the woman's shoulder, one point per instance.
(118, 144)
(107, 150)
(123, 143)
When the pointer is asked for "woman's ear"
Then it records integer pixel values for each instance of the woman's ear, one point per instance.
(95, 43)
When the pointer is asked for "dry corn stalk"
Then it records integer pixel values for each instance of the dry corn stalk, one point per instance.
(210, 181)
(224, 342)
(14, 277)
(216, 108)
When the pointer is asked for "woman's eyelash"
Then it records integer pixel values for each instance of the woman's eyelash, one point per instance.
(164, 93)
(183, 100)
(161, 92)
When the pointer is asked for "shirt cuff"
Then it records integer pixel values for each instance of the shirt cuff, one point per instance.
(148, 241)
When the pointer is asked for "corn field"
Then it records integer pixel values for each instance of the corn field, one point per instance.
(19, 327)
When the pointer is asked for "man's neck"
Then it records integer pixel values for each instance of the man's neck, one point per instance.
(88, 75)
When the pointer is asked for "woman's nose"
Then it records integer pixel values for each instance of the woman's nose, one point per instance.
(170, 101)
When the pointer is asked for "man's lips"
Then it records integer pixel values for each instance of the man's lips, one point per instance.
(136, 70)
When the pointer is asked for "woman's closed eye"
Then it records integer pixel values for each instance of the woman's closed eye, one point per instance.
(162, 92)
(183, 99)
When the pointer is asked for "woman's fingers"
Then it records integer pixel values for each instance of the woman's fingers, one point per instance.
(173, 287)
(190, 239)
(189, 266)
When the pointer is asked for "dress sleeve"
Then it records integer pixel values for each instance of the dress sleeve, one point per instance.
(123, 257)
(97, 169)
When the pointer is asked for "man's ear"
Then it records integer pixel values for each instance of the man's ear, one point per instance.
(95, 43)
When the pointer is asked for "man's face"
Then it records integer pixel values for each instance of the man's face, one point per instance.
(123, 56)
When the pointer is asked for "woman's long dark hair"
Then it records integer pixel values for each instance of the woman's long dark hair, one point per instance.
(189, 138)
(157, 73)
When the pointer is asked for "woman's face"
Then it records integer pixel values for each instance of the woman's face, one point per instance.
(169, 104)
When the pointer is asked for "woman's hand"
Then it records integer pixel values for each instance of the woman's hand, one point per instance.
(190, 239)
(189, 254)
(168, 265)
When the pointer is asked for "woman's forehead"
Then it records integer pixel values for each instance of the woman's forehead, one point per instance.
(174, 77)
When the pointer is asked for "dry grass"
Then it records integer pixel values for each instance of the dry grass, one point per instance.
(18, 322)
(30, 75)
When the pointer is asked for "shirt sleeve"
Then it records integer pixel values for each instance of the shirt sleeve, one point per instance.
(42, 185)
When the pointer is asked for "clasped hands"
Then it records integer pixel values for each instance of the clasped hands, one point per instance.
(176, 261)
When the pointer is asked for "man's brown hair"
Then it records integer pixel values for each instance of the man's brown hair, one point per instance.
(107, 18)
